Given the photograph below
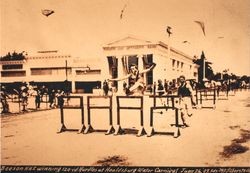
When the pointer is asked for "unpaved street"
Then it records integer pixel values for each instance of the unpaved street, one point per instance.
(32, 138)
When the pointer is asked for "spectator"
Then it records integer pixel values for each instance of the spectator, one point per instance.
(154, 88)
(37, 98)
(60, 100)
(166, 85)
(160, 88)
(52, 96)
(105, 88)
(43, 92)
(4, 102)
(24, 97)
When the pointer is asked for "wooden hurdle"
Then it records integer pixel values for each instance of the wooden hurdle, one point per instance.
(141, 131)
(109, 107)
(208, 94)
(63, 127)
(46, 100)
(222, 94)
(173, 106)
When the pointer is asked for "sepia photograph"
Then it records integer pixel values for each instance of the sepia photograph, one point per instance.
(125, 86)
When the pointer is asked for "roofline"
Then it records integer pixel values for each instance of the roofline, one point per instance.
(174, 50)
(160, 43)
(128, 36)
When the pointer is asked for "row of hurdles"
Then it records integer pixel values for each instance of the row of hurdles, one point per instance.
(171, 103)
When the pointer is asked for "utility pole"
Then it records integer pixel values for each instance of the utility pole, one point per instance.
(169, 58)
(66, 69)
(204, 69)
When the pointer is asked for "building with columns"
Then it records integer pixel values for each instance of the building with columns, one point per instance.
(170, 63)
(56, 70)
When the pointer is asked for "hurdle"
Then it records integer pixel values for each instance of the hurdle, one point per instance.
(222, 96)
(17, 100)
(208, 94)
(173, 106)
(109, 107)
(46, 101)
(141, 131)
(232, 91)
(63, 127)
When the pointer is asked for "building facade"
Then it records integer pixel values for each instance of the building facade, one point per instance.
(170, 63)
(54, 70)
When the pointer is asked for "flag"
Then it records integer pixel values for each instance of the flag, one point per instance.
(186, 42)
(202, 25)
(47, 12)
(122, 11)
(168, 30)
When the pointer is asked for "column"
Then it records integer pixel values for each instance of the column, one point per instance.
(73, 84)
(140, 62)
(120, 73)
(27, 68)
(140, 65)
(191, 71)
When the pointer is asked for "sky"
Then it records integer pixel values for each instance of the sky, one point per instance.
(82, 27)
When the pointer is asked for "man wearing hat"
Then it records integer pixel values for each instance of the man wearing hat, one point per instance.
(185, 92)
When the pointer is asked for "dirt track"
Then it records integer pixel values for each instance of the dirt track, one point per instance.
(31, 139)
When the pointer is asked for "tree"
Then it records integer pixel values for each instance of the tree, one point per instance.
(245, 78)
(13, 56)
(209, 74)
(217, 76)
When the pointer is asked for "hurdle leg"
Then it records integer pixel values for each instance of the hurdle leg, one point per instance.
(119, 129)
(142, 131)
(201, 98)
(177, 130)
(81, 130)
(63, 127)
(172, 100)
(151, 131)
(89, 128)
(111, 128)
(214, 99)
(19, 103)
(196, 92)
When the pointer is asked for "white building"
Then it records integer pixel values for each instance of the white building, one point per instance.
(49, 68)
(85, 74)
(170, 63)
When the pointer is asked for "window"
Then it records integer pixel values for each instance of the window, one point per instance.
(41, 71)
(195, 74)
(13, 73)
(50, 71)
(182, 66)
(112, 61)
(87, 72)
(12, 66)
(173, 64)
(132, 60)
(147, 61)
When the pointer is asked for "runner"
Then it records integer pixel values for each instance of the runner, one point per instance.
(135, 79)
